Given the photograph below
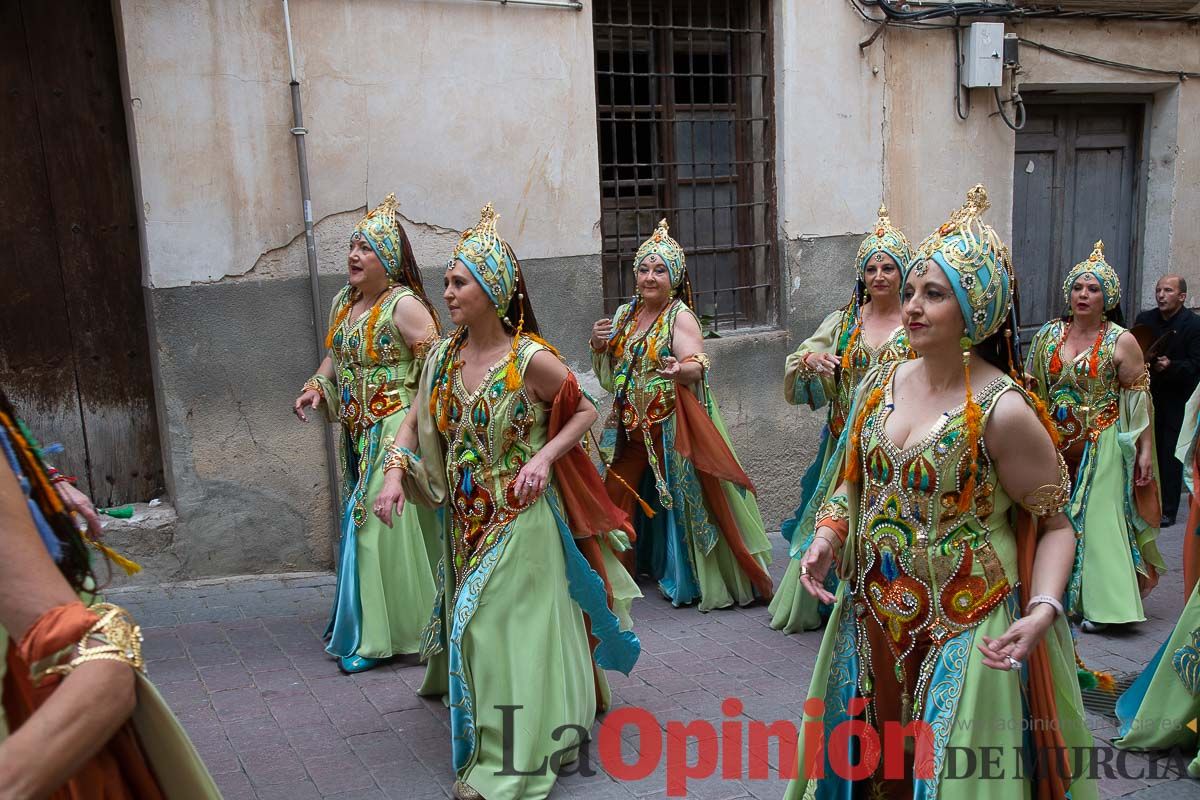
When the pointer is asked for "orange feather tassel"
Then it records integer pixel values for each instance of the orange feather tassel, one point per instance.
(372, 321)
(849, 348)
(973, 417)
(339, 318)
(852, 472)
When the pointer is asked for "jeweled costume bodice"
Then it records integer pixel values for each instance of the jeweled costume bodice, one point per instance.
(370, 379)
(643, 397)
(1082, 404)
(923, 570)
(862, 358)
(491, 433)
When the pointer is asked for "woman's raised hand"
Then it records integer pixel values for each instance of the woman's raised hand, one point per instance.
(602, 331)
(311, 398)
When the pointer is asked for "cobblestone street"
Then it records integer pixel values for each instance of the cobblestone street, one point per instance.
(241, 662)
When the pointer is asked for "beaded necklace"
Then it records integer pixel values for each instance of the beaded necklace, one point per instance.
(1056, 363)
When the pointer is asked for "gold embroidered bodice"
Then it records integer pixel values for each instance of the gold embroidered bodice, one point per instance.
(370, 387)
(492, 432)
(922, 569)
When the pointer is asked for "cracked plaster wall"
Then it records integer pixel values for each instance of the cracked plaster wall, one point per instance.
(433, 100)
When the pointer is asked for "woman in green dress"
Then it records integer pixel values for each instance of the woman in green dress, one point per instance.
(1159, 710)
(527, 574)
(824, 371)
(699, 531)
(380, 326)
(1089, 372)
(947, 614)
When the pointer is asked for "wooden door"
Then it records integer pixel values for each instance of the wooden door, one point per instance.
(74, 349)
(1075, 181)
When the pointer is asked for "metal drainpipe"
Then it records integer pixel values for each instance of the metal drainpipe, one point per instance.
(310, 247)
(570, 5)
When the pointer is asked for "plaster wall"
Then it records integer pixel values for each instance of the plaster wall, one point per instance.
(388, 107)
(830, 111)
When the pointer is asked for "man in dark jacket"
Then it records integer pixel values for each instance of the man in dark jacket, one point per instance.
(1174, 373)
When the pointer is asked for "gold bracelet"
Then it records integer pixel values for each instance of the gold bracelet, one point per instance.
(807, 373)
(702, 359)
(121, 637)
(312, 384)
(831, 509)
(399, 458)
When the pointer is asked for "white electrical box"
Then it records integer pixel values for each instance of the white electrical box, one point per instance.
(983, 55)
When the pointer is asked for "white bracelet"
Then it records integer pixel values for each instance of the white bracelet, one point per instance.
(1047, 600)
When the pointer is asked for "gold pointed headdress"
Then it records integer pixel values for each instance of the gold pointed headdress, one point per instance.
(976, 263)
(486, 255)
(887, 239)
(1096, 264)
(669, 250)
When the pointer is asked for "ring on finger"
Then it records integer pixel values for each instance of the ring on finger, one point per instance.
(1013, 663)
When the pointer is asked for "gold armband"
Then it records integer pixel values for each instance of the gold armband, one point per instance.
(1141, 383)
(422, 348)
(1048, 500)
(121, 640)
(702, 359)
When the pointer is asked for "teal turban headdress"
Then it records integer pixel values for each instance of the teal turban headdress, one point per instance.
(887, 239)
(669, 250)
(976, 263)
(381, 230)
(485, 254)
(1110, 284)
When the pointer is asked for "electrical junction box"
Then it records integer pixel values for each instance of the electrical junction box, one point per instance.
(983, 51)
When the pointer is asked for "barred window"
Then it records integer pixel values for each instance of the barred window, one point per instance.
(684, 114)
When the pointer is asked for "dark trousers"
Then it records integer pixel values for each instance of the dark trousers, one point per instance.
(1168, 419)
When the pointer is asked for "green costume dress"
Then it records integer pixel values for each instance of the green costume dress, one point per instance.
(794, 609)
(1099, 422)
(706, 540)
(1159, 710)
(385, 584)
(508, 627)
(921, 582)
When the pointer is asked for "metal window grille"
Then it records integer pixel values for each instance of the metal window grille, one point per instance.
(684, 113)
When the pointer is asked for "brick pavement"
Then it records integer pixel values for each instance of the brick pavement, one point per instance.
(241, 662)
